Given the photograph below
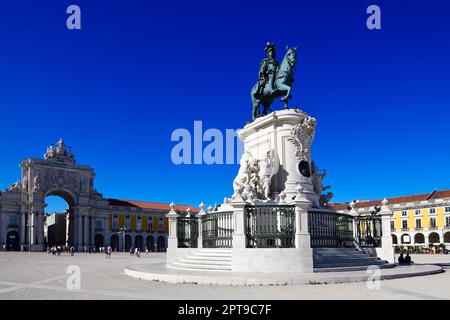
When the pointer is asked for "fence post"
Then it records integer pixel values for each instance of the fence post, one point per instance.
(239, 237)
(354, 213)
(302, 236)
(200, 225)
(386, 252)
(172, 216)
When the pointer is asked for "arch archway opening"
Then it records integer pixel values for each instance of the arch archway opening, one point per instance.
(160, 244)
(58, 219)
(114, 242)
(434, 238)
(12, 241)
(394, 239)
(128, 243)
(447, 237)
(150, 244)
(138, 243)
(419, 238)
(406, 239)
(99, 242)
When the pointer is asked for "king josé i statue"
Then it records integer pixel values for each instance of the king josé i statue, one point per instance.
(274, 81)
(279, 210)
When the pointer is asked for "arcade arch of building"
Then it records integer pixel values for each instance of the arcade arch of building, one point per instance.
(93, 221)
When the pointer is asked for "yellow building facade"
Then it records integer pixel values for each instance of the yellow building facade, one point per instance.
(136, 224)
(418, 220)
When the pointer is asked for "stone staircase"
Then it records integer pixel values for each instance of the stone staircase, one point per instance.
(205, 260)
(344, 259)
(324, 260)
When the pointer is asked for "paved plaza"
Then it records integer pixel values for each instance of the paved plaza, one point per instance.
(43, 276)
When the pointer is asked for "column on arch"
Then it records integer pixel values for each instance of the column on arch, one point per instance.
(86, 229)
(23, 227)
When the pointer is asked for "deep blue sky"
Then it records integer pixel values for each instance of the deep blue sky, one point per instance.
(137, 70)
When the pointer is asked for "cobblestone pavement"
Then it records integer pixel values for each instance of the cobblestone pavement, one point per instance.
(43, 276)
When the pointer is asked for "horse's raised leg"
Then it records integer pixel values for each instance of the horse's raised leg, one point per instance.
(285, 88)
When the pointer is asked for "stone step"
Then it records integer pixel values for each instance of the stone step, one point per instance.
(348, 264)
(355, 268)
(209, 254)
(204, 267)
(339, 252)
(343, 255)
(325, 259)
(205, 262)
(205, 258)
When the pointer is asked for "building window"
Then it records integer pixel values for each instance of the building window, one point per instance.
(139, 223)
(13, 220)
(98, 224)
(418, 223)
(432, 222)
(417, 212)
(161, 224)
(432, 210)
(392, 226)
(115, 216)
(150, 225)
(447, 222)
(404, 213)
(447, 209)
(115, 225)
(405, 224)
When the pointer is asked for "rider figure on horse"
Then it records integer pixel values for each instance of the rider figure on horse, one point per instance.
(268, 70)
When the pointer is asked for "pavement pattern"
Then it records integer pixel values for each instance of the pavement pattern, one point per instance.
(44, 277)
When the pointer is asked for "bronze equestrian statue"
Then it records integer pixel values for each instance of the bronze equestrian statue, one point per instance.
(274, 81)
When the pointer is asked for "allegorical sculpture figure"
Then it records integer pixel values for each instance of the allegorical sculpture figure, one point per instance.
(275, 80)
(254, 177)
(268, 167)
(16, 187)
(318, 186)
(61, 147)
(36, 185)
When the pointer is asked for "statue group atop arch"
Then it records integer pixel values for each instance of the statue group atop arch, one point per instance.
(59, 152)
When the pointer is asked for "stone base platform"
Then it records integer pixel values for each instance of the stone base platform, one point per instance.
(160, 272)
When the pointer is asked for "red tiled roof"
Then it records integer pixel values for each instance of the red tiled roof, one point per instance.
(148, 205)
(338, 206)
(405, 199)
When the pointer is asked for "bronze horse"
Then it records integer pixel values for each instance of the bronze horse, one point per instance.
(283, 85)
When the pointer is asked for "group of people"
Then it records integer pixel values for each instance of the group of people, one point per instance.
(136, 252)
(57, 250)
(405, 260)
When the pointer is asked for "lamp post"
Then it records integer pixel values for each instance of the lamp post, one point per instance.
(123, 230)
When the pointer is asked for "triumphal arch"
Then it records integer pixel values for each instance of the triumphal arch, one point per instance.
(91, 220)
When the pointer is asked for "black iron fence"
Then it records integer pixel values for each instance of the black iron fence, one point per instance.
(270, 226)
(187, 232)
(329, 229)
(217, 229)
(368, 231)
